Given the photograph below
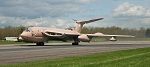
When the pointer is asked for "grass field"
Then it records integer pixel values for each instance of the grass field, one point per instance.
(125, 58)
(3, 42)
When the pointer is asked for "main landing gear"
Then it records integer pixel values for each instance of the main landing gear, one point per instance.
(40, 43)
(76, 40)
(75, 43)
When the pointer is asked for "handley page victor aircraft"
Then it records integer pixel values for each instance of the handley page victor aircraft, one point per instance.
(39, 35)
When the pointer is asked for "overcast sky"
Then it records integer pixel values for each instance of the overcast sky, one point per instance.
(59, 13)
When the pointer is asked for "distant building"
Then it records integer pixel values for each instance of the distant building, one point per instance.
(11, 38)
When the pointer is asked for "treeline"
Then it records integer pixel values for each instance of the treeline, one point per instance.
(142, 32)
(116, 30)
(10, 32)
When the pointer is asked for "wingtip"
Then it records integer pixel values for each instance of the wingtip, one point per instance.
(101, 18)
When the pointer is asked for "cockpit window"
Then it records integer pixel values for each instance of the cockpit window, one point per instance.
(28, 29)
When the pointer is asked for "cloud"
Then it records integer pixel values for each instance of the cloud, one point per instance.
(30, 12)
(42, 21)
(131, 15)
(86, 1)
(131, 10)
(40, 8)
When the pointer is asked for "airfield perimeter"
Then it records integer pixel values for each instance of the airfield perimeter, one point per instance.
(30, 52)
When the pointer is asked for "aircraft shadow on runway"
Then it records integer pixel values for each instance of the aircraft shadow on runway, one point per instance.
(85, 45)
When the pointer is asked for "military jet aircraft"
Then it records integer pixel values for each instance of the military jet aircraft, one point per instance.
(39, 35)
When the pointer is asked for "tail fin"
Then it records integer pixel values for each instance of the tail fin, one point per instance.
(80, 24)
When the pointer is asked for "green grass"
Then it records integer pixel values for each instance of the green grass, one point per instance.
(4, 42)
(125, 58)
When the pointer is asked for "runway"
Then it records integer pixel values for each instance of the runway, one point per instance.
(30, 52)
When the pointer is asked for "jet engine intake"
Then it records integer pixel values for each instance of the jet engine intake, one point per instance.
(53, 34)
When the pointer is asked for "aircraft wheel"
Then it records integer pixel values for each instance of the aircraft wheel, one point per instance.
(75, 43)
(40, 44)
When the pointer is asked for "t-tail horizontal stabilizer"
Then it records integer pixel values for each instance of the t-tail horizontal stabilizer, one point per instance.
(80, 24)
(89, 21)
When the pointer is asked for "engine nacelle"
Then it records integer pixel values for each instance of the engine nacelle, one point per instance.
(84, 38)
(113, 39)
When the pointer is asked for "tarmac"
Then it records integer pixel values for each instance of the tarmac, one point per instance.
(16, 53)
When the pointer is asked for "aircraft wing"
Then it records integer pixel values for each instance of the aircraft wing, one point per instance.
(106, 35)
